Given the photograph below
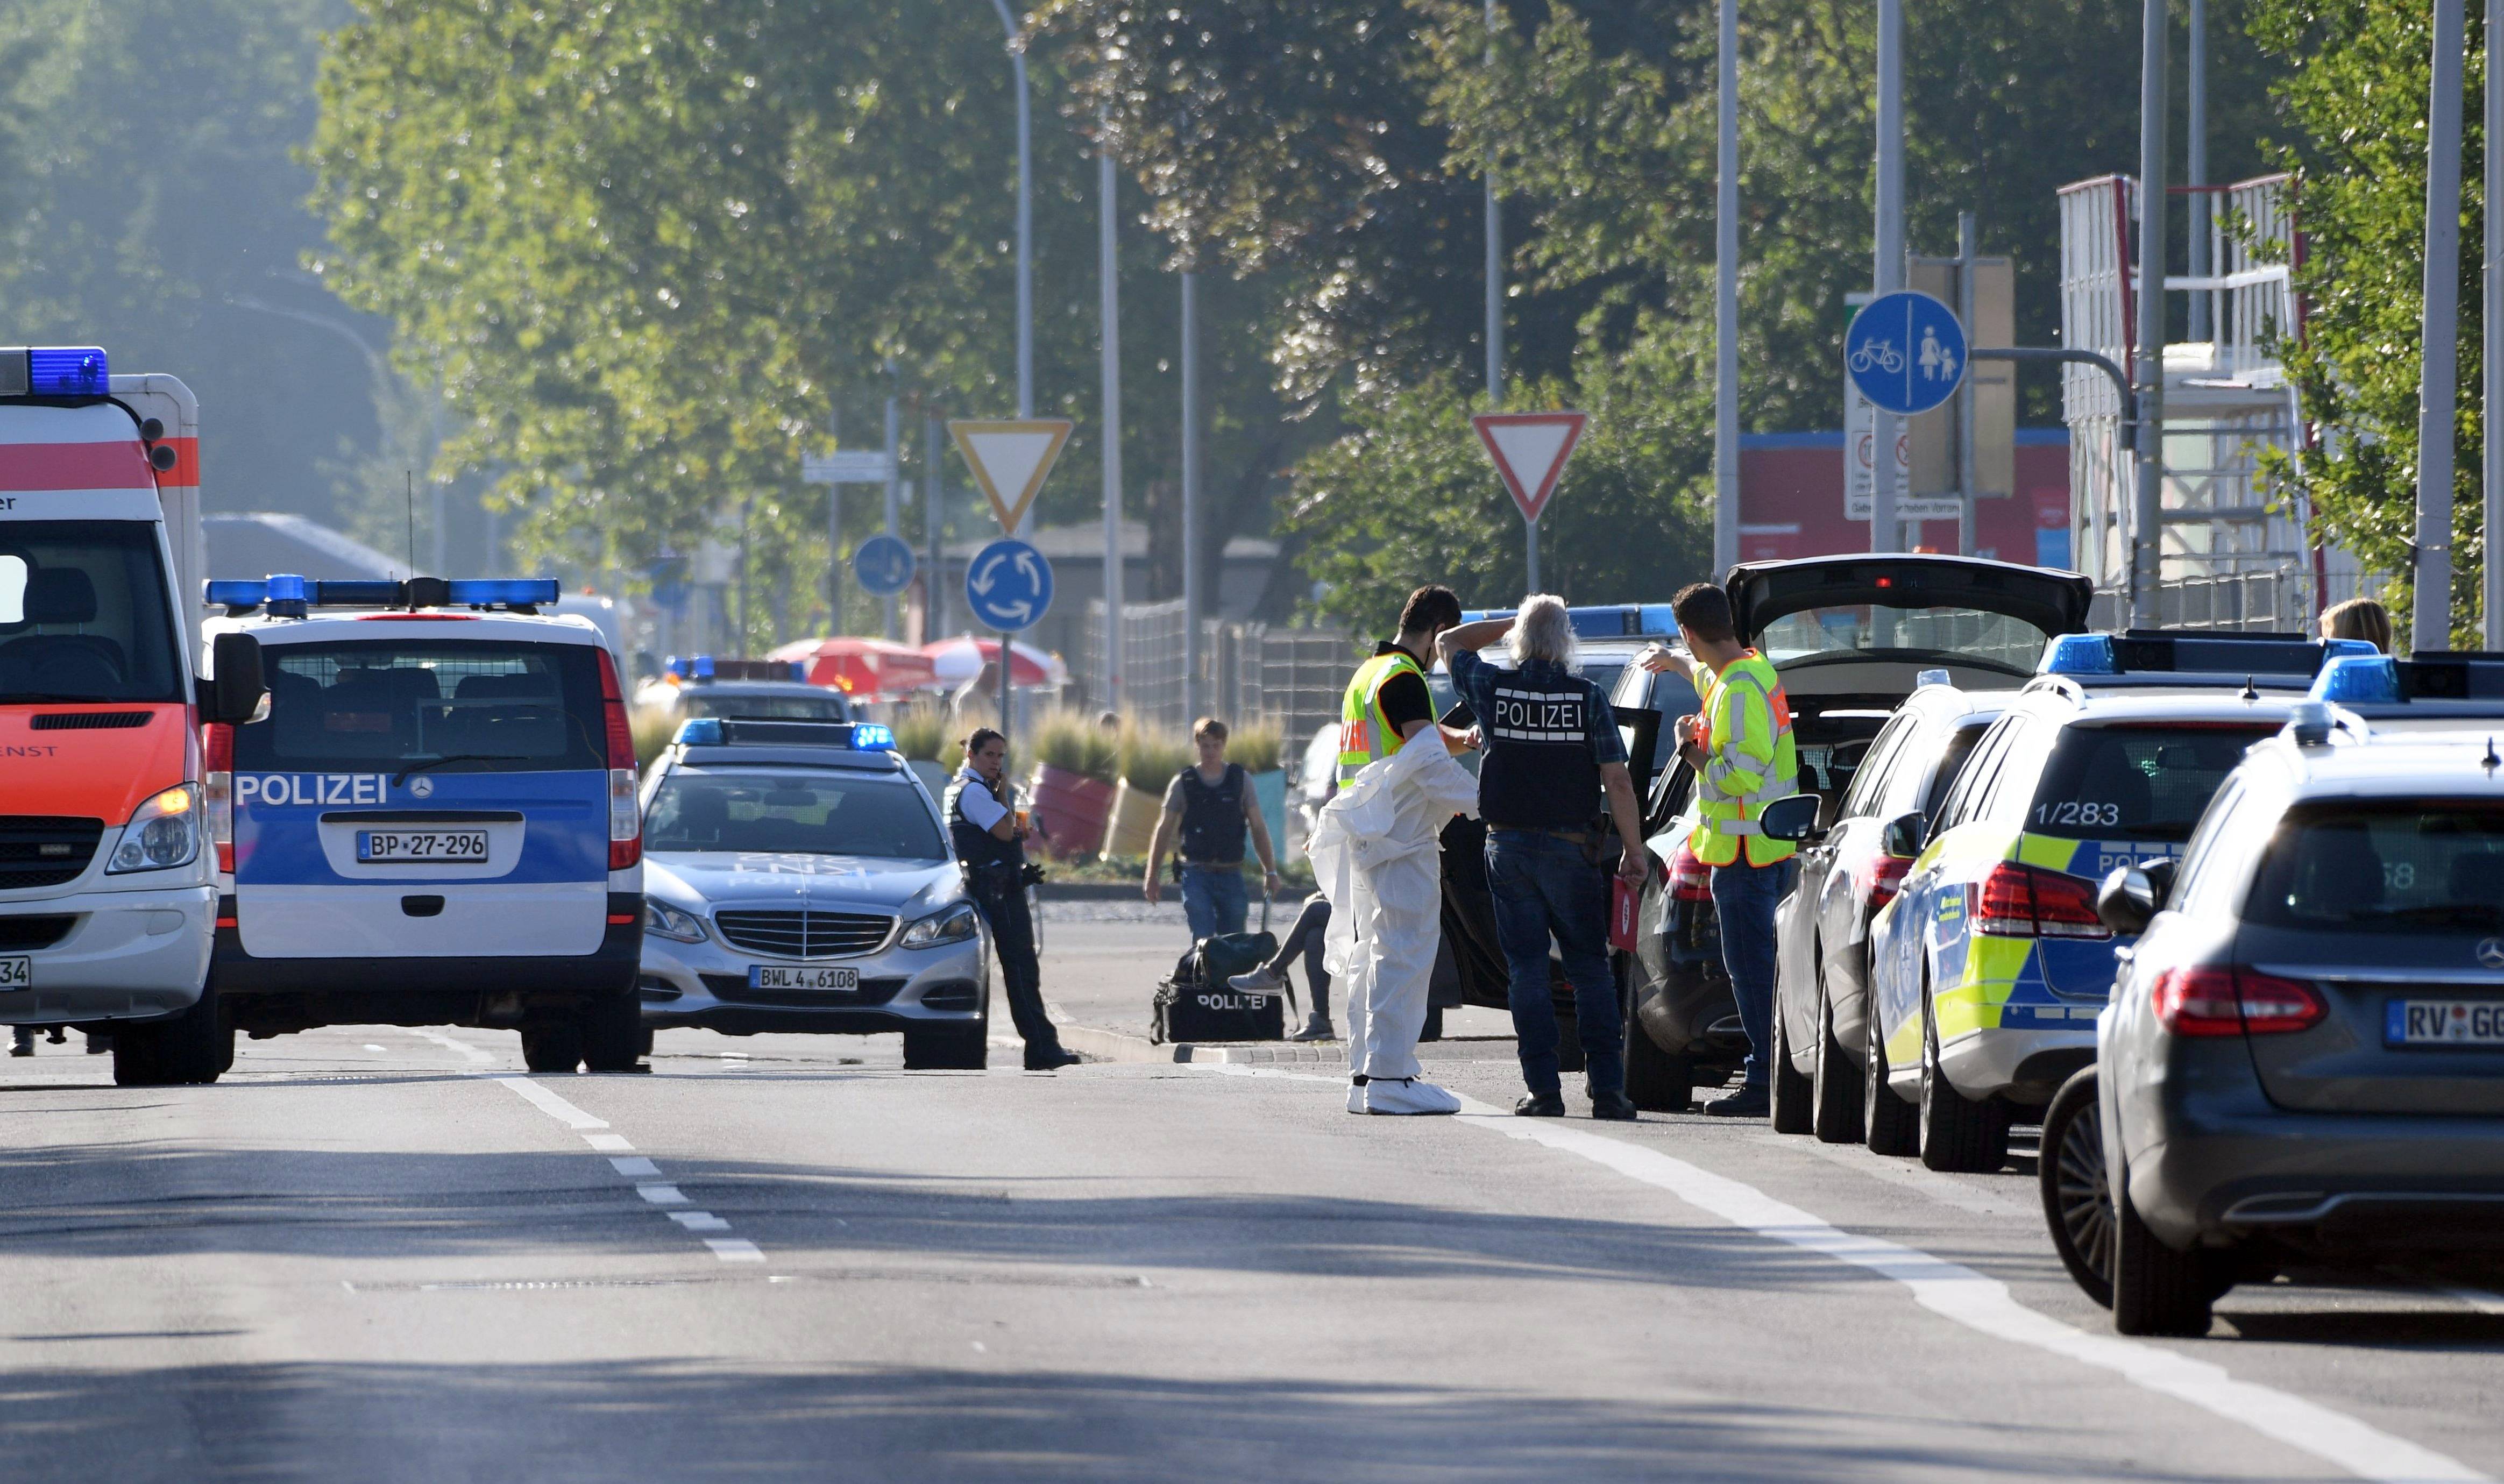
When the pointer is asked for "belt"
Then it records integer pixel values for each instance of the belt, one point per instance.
(1573, 836)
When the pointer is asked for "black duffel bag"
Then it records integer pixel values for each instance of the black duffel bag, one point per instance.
(1197, 1004)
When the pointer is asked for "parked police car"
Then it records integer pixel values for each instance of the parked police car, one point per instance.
(2303, 1063)
(799, 878)
(1988, 969)
(752, 690)
(435, 825)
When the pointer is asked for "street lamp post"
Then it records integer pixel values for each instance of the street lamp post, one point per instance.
(1725, 299)
(2440, 336)
(1025, 215)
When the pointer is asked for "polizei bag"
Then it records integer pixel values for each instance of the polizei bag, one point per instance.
(1197, 1004)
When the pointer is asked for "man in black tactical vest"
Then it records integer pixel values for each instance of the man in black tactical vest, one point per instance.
(990, 846)
(1213, 807)
(1553, 754)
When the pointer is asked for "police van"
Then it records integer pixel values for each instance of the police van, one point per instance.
(437, 822)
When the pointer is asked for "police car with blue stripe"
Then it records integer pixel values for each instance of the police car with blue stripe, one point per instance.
(1989, 966)
(801, 881)
(436, 824)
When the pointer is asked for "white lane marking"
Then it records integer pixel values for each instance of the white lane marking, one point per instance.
(477, 1053)
(608, 1143)
(2484, 1301)
(734, 1249)
(550, 1104)
(369, 1046)
(699, 1220)
(661, 1194)
(637, 1166)
(1946, 1189)
(1958, 1293)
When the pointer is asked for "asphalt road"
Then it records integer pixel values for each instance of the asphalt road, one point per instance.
(379, 1254)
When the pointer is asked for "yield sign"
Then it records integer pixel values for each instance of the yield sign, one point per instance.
(1530, 450)
(1010, 459)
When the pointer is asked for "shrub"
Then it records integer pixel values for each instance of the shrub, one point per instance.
(921, 734)
(1150, 760)
(1256, 747)
(1072, 742)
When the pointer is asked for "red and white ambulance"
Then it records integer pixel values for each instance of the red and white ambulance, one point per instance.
(108, 875)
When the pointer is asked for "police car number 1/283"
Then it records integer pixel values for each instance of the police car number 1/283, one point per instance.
(766, 976)
(2444, 1022)
(17, 972)
(448, 846)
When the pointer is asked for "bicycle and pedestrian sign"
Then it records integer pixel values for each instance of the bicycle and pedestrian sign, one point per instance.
(1905, 351)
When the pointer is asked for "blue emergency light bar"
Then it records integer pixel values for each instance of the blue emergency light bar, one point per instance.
(2380, 680)
(2154, 657)
(1613, 620)
(703, 667)
(53, 370)
(289, 594)
(725, 732)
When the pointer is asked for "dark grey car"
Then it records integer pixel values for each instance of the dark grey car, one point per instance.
(2302, 1062)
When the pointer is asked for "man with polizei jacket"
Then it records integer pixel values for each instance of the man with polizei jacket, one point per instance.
(1553, 767)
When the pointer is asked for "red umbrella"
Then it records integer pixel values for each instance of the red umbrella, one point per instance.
(865, 668)
(959, 660)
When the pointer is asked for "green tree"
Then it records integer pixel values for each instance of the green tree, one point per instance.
(2356, 93)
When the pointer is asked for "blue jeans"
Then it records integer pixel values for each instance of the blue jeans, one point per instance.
(1744, 899)
(1212, 900)
(1543, 887)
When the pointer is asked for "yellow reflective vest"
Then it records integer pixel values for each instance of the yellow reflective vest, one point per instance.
(1749, 761)
(1364, 733)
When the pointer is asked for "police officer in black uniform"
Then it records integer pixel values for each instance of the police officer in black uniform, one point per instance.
(991, 847)
(1552, 755)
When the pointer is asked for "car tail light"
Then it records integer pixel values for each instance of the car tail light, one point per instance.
(2214, 1000)
(2028, 902)
(217, 787)
(1879, 878)
(1689, 878)
(625, 818)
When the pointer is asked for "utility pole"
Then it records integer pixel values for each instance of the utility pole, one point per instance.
(1025, 215)
(894, 494)
(2438, 390)
(1190, 690)
(1725, 298)
(935, 588)
(1968, 252)
(1495, 315)
(2492, 369)
(2148, 534)
(1886, 533)
(2195, 169)
(1109, 307)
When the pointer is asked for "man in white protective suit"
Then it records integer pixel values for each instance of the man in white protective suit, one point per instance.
(1377, 855)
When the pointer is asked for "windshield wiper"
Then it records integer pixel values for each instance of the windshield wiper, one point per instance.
(52, 698)
(402, 776)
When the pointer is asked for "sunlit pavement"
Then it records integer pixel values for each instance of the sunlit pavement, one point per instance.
(375, 1252)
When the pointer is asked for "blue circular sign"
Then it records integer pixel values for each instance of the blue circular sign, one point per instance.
(1905, 351)
(883, 564)
(1008, 586)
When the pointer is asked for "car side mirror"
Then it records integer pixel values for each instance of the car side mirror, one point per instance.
(1904, 834)
(1792, 817)
(2130, 899)
(237, 694)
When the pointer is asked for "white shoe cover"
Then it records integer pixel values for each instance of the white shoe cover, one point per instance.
(1409, 1096)
(1356, 1097)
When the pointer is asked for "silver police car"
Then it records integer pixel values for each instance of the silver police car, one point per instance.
(2302, 1062)
(797, 878)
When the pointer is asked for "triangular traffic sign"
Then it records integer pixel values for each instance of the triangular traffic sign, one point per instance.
(1530, 450)
(1010, 459)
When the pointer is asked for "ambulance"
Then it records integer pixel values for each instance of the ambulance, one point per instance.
(108, 884)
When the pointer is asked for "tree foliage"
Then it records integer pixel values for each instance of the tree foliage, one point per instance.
(2359, 73)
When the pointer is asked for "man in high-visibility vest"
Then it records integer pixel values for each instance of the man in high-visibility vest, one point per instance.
(1378, 858)
(1744, 758)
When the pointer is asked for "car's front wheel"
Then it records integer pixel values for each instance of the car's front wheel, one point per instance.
(612, 1033)
(1890, 1125)
(1834, 1082)
(1958, 1133)
(553, 1047)
(2156, 1290)
(1657, 1080)
(1789, 1087)
(947, 1049)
